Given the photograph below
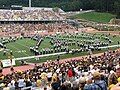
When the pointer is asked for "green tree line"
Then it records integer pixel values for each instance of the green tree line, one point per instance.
(112, 6)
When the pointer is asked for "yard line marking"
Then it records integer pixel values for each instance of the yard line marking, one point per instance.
(18, 50)
(22, 45)
(60, 53)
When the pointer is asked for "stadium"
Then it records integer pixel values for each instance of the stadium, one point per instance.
(47, 48)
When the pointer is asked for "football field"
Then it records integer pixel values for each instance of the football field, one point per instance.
(21, 47)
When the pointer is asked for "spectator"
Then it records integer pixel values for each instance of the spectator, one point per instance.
(21, 82)
(55, 84)
(112, 79)
(40, 76)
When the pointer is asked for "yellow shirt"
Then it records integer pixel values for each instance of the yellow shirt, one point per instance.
(2, 77)
(38, 83)
(43, 75)
(111, 86)
(118, 79)
(54, 77)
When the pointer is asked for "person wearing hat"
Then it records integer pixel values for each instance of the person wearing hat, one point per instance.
(114, 77)
(82, 83)
(43, 78)
(98, 84)
(97, 81)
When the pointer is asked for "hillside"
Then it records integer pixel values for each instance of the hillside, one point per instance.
(95, 16)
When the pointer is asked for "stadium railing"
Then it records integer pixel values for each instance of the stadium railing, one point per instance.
(31, 88)
(25, 88)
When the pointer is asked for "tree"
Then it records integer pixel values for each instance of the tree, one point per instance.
(112, 6)
(56, 9)
(117, 8)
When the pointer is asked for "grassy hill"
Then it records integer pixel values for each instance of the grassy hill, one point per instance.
(95, 16)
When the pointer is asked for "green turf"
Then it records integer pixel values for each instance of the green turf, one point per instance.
(45, 44)
(95, 16)
(65, 56)
(114, 40)
(25, 43)
(20, 48)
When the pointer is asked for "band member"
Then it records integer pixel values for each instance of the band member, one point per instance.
(12, 69)
(1, 65)
(58, 58)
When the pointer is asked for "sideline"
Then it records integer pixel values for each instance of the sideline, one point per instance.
(31, 65)
(60, 53)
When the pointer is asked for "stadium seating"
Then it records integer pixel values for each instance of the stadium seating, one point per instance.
(29, 15)
(28, 28)
(71, 74)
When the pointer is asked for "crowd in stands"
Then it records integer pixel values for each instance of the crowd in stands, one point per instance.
(100, 26)
(14, 28)
(29, 15)
(87, 73)
(100, 72)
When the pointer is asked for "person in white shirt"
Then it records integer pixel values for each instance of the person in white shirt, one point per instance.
(21, 83)
(58, 70)
(11, 85)
(49, 76)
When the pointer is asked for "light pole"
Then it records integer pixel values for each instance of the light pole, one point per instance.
(30, 3)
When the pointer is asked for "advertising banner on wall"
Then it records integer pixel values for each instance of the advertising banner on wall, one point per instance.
(7, 63)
